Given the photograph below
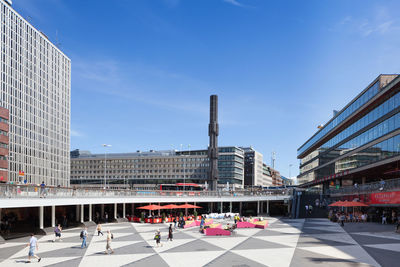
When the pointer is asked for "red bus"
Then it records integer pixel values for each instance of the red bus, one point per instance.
(190, 188)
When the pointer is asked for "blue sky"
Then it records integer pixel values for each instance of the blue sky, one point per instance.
(142, 71)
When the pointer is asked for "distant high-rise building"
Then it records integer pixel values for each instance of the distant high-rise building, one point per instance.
(35, 104)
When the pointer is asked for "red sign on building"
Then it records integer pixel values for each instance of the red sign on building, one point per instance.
(385, 198)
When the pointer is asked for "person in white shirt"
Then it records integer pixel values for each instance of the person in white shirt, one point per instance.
(33, 245)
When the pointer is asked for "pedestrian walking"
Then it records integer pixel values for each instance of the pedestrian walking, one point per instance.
(384, 218)
(33, 245)
(342, 218)
(57, 233)
(42, 189)
(99, 230)
(170, 235)
(175, 222)
(83, 236)
(108, 245)
(157, 238)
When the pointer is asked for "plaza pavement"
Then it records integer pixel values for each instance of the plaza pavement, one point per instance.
(286, 242)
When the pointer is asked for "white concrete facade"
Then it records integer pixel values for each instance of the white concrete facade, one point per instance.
(35, 88)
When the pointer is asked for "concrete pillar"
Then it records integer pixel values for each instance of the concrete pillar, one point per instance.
(288, 207)
(123, 210)
(115, 210)
(90, 212)
(230, 207)
(132, 209)
(258, 207)
(222, 207)
(186, 211)
(363, 180)
(53, 216)
(261, 207)
(268, 207)
(159, 211)
(240, 208)
(102, 211)
(77, 213)
(82, 213)
(193, 204)
(41, 217)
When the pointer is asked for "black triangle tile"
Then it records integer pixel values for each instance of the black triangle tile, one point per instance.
(193, 246)
(232, 259)
(255, 243)
(154, 260)
(371, 240)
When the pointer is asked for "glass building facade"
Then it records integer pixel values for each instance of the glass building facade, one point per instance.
(362, 135)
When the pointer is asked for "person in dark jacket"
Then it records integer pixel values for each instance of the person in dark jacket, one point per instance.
(170, 235)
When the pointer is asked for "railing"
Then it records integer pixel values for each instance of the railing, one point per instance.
(387, 185)
(33, 191)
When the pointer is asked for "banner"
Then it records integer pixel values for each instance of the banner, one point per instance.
(385, 198)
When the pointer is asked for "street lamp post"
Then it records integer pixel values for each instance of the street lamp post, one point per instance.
(105, 164)
(290, 168)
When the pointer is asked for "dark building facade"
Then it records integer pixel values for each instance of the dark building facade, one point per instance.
(360, 144)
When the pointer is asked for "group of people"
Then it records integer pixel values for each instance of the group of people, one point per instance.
(342, 217)
(157, 236)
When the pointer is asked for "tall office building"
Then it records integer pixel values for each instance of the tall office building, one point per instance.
(35, 99)
(147, 169)
(360, 144)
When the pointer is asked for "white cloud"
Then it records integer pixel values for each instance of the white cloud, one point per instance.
(234, 2)
(381, 23)
(75, 133)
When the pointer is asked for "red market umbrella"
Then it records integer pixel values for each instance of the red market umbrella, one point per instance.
(337, 204)
(170, 206)
(150, 207)
(188, 206)
(354, 204)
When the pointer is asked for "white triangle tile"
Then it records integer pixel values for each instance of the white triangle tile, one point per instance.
(50, 237)
(392, 247)
(226, 242)
(45, 247)
(114, 227)
(101, 246)
(248, 231)
(344, 238)
(274, 257)
(112, 260)
(354, 253)
(12, 244)
(192, 259)
(34, 262)
(101, 238)
(287, 240)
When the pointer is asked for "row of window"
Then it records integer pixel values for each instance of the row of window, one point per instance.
(376, 132)
(379, 130)
(378, 112)
(364, 98)
(385, 149)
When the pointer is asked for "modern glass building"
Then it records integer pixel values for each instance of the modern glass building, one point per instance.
(360, 144)
(35, 89)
